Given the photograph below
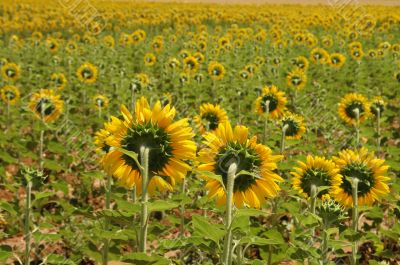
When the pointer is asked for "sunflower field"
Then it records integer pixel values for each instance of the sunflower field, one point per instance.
(183, 133)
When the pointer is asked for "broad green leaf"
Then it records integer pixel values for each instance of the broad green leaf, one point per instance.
(161, 205)
(202, 227)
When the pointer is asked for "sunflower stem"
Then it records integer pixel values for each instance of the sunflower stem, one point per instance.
(357, 126)
(266, 121)
(354, 187)
(8, 115)
(182, 227)
(99, 105)
(144, 155)
(378, 121)
(312, 205)
(27, 233)
(107, 221)
(325, 239)
(227, 254)
(284, 128)
(41, 162)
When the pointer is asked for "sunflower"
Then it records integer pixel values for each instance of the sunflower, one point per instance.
(173, 63)
(349, 104)
(244, 74)
(71, 46)
(10, 71)
(397, 76)
(190, 65)
(210, 117)
(357, 54)
(46, 105)
(377, 103)
(87, 73)
(10, 94)
(296, 79)
(369, 170)
(337, 60)
(166, 99)
(294, 123)
(319, 56)
(170, 145)
(100, 101)
(52, 45)
(149, 59)
(58, 81)
(109, 41)
(301, 62)
(216, 70)
(157, 44)
(316, 171)
(276, 99)
(226, 146)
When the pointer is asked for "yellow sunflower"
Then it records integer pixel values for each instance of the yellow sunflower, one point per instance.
(10, 94)
(301, 62)
(149, 59)
(296, 79)
(58, 81)
(87, 73)
(337, 60)
(377, 104)
(216, 70)
(357, 54)
(294, 123)
(210, 117)
(276, 100)
(100, 101)
(319, 56)
(10, 71)
(170, 145)
(226, 146)
(349, 104)
(369, 170)
(190, 65)
(316, 171)
(46, 105)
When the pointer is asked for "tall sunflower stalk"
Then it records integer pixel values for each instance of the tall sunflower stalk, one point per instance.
(266, 121)
(107, 222)
(354, 188)
(284, 129)
(357, 126)
(144, 155)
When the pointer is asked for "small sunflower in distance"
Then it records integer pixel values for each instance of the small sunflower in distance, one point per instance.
(370, 172)
(170, 143)
(316, 171)
(349, 105)
(337, 60)
(226, 146)
(210, 117)
(46, 105)
(294, 124)
(301, 62)
(190, 65)
(100, 101)
(58, 81)
(319, 56)
(149, 59)
(10, 71)
(296, 79)
(87, 73)
(10, 95)
(216, 70)
(276, 100)
(377, 104)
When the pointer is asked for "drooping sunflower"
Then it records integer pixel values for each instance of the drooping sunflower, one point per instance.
(10, 94)
(276, 99)
(210, 117)
(316, 171)
(100, 101)
(295, 125)
(190, 65)
(10, 71)
(46, 105)
(58, 81)
(226, 146)
(149, 59)
(349, 104)
(170, 145)
(296, 79)
(369, 170)
(377, 103)
(337, 60)
(216, 70)
(87, 73)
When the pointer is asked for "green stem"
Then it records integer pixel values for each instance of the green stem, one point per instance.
(266, 121)
(284, 128)
(357, 126)
(27, 233)
(325, 239)
(378, 120)
(107, 221)
(227, 254)
(312, 204)
(41, 162)
(144, 155)
(182, 227)
(354, 187)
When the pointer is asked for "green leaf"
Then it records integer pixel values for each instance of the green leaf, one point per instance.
(275, 235)
(161, 205)
(52, 165)
(143, 259)
(259, 241)
(8, 207)
(131, 154)
(211, 175)
(6, 157)
(202, 227)
(249, 212)
(57, 148)
(44, 194)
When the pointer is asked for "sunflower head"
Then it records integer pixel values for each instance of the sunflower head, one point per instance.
(210, 117)
(216, 70)
(275, 100)
(87, 73)
(256, 165)
(170, 144)
(296, 79)
(331, 211)
(316, 171)
(46, 105)
(58, 81)
(10, 94)
(10, 71)
(301, 62)
(100, 101)
(149, 59)
(337, 60)
(190, 65)
(352, 105)
(319, 56)
(293, 125)
(377, 105)
(367, 169)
